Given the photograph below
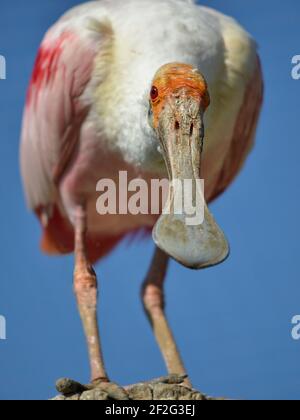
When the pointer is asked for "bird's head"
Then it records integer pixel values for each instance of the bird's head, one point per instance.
(179, 95)
(179, 98)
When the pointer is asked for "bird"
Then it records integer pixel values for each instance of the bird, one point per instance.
(156, 89)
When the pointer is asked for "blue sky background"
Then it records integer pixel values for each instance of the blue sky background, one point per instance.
(241, 344)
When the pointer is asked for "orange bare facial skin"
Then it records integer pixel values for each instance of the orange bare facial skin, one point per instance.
(172, 78)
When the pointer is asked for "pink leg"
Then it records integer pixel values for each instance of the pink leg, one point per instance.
(153, 300)
(85, 287)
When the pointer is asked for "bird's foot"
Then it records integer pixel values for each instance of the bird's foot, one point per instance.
(114, 391)
(97, 390)
(172, 379)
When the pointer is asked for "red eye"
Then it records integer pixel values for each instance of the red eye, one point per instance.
(154, 93)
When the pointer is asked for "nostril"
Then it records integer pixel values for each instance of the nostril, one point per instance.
(177, 125)
(191, 130)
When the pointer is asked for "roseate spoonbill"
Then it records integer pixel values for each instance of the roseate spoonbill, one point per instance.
(113, 81)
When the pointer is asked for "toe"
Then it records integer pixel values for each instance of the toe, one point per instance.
(173, 379)
(114, 391)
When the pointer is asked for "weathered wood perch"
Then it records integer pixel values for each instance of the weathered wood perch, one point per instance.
(166, 388)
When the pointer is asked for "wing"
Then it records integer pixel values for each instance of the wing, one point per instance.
(58, 102)
(244, 132)
(55, 108)
(242, 84)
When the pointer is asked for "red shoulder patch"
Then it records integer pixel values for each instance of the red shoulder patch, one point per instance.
(45, 66)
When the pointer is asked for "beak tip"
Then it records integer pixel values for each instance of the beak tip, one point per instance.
(195, 247)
